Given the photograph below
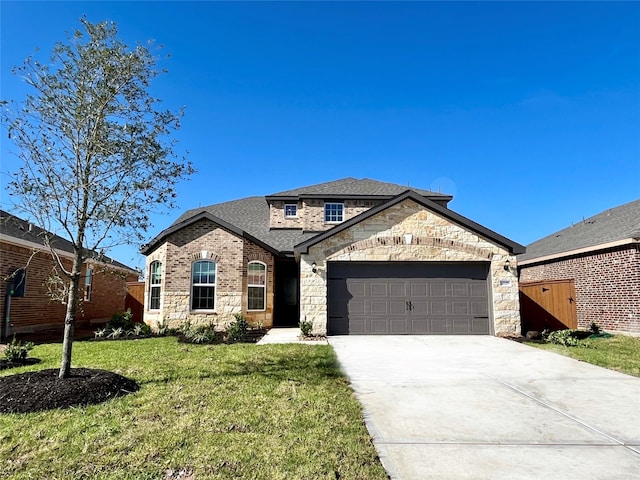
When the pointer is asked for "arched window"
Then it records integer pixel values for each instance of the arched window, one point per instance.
(203, 285)
(155, 279)
(257, 286)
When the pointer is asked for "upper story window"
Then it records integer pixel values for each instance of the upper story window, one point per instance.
(155, 279)
(333, 212)
(203, 285)
(291, 210)
(88, 281)
(257, 286)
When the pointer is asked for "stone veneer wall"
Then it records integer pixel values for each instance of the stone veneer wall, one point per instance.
(205, 240)
(607, 286)
(433, 238)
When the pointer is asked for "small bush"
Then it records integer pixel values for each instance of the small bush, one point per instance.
(141, 329)
(17, 351)
(566, 338)
(116, 333)
(306, 327)
(122, 320)
(200, 334)
(238, 328)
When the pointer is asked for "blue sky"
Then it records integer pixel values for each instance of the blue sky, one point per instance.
(528, 113)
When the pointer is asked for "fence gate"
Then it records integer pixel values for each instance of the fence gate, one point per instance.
(548, 304)
(135, 300)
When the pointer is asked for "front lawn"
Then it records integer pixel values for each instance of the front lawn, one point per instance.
(619, 352)
(203, 411)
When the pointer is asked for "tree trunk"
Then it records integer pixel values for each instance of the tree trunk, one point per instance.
(70, 316)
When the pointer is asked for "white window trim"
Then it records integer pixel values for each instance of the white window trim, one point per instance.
(264, 287)
(290, 205)
(214, 285)
(155, 285)
(324, 213)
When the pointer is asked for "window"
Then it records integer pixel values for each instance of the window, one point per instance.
(88, 278)
(291, 210)
(155, 278)
(333, 212)
(257, 281)
(203, 285)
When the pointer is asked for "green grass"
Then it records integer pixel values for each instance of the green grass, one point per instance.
(224, 411)
(621, 353)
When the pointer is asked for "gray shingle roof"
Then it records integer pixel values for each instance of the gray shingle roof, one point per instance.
(250, 215)
(612, 225)
(20, 229)
(353, 186)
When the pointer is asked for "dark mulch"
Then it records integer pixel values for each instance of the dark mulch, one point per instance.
(252, 336)
(43, 390)
(5, 364)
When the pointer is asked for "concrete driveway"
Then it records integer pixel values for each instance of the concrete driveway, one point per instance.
(465, 407)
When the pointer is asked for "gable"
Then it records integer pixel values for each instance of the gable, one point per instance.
(423, 229)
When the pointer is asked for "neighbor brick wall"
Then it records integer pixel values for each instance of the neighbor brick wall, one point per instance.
(36, 311)
(607, 286)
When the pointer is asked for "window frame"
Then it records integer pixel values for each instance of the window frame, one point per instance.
(213, 285)
(155, 284)
(327, 208)
(256, 285)
(88, 284)
(295, 207)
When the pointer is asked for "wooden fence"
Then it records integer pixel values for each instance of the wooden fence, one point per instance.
(548, 305)
(135, 300)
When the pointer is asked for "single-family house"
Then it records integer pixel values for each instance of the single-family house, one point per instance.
(28, 268)
(586, 273)
(352, 256)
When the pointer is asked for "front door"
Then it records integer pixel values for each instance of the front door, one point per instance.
(287, 306)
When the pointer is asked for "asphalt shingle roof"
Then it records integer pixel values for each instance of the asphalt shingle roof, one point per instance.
(20, 229)
(615, 224)
(252, 216)
(354, 186)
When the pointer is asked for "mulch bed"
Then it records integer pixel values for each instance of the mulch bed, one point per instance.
(5, 364)
(43, 390)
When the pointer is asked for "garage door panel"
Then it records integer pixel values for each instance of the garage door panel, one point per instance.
(356, 289)
(379, 308)
(408, 298)
(397, 289)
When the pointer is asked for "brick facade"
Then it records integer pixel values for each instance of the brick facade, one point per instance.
(433, 238)
(231, 253)
(607, 286)
(311, 213)
(36, 311)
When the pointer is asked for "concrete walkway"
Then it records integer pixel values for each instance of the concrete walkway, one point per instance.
(470, 407)
(287, 335)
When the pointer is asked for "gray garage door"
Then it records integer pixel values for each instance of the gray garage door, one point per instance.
(397, 298)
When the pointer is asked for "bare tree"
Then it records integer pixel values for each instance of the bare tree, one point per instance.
(98, 153)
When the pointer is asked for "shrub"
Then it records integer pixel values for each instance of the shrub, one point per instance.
(116, 333)
(141, 329)
(238, 328)
(305, 328)
(17, 351)
(122, 320)
(200, 334)
(566, 338)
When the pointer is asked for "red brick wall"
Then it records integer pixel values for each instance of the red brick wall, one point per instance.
(36, 311)
(607, 286)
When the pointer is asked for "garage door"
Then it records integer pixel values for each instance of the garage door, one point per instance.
(395, 298)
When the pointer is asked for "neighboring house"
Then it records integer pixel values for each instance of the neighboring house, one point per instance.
(103, 283)
(351, 256)
(589, 272)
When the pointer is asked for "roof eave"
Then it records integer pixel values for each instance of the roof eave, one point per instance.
(204, 215)
(579, 251)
